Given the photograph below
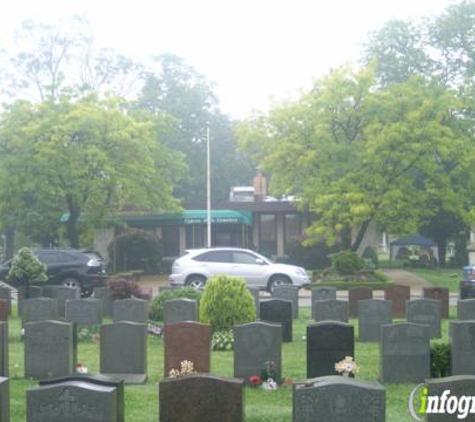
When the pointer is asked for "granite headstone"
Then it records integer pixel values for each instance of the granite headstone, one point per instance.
(439, 293)
(84, 311)
(280, 311)
(134, 310)
(4, 399)
(4, 355)
(4, 310)
(180, 310)
(62, 294)
(40, 309)
(463, 347)
(6, 294)
(373, 313)
(354, 295)
(399, 295)
(104, 295)
(425, 311)
(466, 310)
(330, 310)
(290, 293)
(323, 293)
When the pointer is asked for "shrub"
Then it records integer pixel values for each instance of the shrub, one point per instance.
(222, 340)
(370, 253)
(25, 269)
(125, 289)
(439, 360)
(156, 306)
(136, 250)
(347, 263)
(226, 301)
(312, 257)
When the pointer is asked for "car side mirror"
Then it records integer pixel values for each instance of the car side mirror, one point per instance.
(259, 261)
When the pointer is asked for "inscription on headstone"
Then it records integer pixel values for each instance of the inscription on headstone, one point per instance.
(40, 309)
(373, 313)
(134, 310)
(280, 311)
(84, 311)
(323, 293)
(425, 311)
(330, 310)
(180, 310)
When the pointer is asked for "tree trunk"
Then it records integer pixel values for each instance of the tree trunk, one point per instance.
(360, 235)
(71, 225)
(442, 249)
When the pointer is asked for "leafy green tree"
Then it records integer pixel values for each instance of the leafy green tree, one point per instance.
(355, 154)
(87, 156)
(25, 269)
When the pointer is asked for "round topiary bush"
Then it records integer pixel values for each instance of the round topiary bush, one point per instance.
(226, 301)
(156, 306)
(370, 253)
(347, 263)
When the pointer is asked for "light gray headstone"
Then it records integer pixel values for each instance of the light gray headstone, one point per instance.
(255, 344)
(337, 398)
(40, 309)
(466, 310)
(373, 313)
(405, 353)
(288, 293)
(103, 294)
(4, 359)
(425, 311)
(84, 311)
(4, 399)
(62, 294)
(49, 349)
(124, 351)
(463, 347)
(179, 310)
(35, 291)
(330, 310)
(6, 294)
(134, 310)
(72, 401)
(323, 293)
(255, 292)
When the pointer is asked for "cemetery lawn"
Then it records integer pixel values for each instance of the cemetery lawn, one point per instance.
(141, 402)
(440, 278)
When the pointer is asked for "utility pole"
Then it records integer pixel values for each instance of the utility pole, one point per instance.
(208, 185)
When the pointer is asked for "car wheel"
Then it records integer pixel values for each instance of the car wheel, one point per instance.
(196, 281)
(278, 280)
(71, 282)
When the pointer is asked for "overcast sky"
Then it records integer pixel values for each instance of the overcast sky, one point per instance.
(254, 50)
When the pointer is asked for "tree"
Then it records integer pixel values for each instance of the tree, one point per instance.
(87, 157)
(355, 154)
(173, 88)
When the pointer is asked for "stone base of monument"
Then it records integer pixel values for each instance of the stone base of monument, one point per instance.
(129, 379)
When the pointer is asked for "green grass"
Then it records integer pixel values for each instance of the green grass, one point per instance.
(441, 278)
(141, 402)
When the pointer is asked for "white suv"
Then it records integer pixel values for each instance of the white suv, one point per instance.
(197, 265)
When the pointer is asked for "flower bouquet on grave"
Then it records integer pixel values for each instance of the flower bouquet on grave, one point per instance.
(255, 381)
(81, 368)
(347, 367)
(187, 368)
(268, 376)
(154, 329)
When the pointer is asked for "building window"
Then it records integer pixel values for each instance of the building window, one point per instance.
(195, 236)
(171, 240)
(267, 234)
(292, 230)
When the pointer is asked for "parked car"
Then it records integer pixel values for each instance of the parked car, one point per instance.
(197, 265)
(68, 267)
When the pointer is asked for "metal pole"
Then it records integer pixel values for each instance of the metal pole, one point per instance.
(208, 183)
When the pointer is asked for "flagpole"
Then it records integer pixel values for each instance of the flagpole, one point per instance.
(208, 185)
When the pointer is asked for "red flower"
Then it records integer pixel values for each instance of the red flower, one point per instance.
(255, 380)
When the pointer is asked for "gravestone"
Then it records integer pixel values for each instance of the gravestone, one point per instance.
(405, 353)
(133, 310)
(462, 347)
(280, 311)
(466, 310)
(4, 310)
(49, 349)
(337, 398)
(255, 292)
(123, 351)
(255, 344)
(201, 398)
(39, 309)
(328, 343)
(84, 311)
(373, 313)
(323, 293)
(399, 295)
(62, 294)
(72, 401)
(103, 294)
(290, 293)
(6, 294)
(466, 291)
(425, 311)
(35, 292)
(4, 399)
(330, 310)
(187, 341)
(354, 295)
(180, 310)
(96, 379)
(439, 293)
(459, 386)
(4, 357)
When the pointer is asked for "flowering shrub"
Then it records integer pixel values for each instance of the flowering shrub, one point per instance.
(347, 367)
(125, 289)
(222, 340)
(187, 368)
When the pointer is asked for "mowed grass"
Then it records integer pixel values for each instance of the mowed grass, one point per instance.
(141, 402)
(441, 278)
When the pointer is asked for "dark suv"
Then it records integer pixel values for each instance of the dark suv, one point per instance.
(68, 267)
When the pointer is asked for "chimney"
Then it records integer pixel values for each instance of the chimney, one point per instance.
(260, 187)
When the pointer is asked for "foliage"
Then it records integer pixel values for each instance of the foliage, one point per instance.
(347, 263)
(269, 371)
(26, 268)
(136, 250)
(226, 301)
(125, 289)
(88, 334)
(156, 306)
(313, 256)
(370, 253)
(222, 340)
(440, 360)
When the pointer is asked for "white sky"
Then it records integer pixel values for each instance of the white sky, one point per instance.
(254, 50)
